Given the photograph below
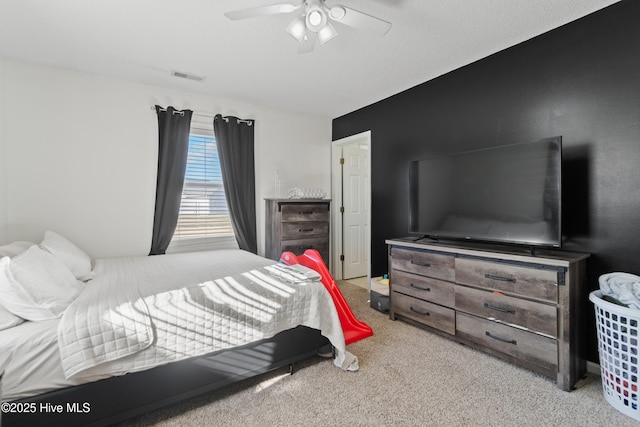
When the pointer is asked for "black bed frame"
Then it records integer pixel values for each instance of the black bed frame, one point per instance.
(114, 399)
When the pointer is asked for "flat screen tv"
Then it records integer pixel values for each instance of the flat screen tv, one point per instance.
(509, 194)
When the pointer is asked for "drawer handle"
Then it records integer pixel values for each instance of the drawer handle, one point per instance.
(495, 337)
(503, 310)
(420, 264)
(301, 230)
(420, 288)
(305, 213)
(423, 313)
(500, 278)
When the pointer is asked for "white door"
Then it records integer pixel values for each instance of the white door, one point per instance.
(355, 225)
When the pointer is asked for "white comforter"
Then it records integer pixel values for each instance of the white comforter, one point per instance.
(148, 311)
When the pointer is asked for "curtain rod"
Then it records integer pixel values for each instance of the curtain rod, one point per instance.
(211, 116)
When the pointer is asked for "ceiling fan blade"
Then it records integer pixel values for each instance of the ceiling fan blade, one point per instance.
(253, 12)
(359, 20)
(308, 43)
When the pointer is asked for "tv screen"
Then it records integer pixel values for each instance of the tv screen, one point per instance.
(507, 194)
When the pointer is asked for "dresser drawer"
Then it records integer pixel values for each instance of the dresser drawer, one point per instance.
(424, 312)
(426, 288)
(299, 246)
(520, 280)
(527, 346)
(301, 230)
(424, 263)
(308, 212)
(531, 315)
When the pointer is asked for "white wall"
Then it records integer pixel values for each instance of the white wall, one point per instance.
(3, 162)
(80, 155)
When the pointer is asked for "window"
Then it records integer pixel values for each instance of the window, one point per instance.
(204, 215)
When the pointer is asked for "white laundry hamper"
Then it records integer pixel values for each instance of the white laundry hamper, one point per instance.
(618, 345)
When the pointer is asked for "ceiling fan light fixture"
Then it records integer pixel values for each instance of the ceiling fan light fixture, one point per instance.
(316, 19)
(327, 33)
(337, 12)
(297, 28)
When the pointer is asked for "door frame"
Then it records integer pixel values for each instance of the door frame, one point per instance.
(336, 190)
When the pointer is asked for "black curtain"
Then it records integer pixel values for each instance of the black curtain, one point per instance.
(173, 147)
(234, 138)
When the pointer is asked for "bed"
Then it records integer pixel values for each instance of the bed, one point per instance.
(138, 333)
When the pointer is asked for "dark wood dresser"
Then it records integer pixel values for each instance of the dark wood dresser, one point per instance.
(521, 307)
(296, 225)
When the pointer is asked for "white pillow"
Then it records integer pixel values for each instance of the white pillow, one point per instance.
(36, 285)
(73, 257)
(15, 248)
(8, 319)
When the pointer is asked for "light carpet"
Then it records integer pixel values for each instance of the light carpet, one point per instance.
(409, 377)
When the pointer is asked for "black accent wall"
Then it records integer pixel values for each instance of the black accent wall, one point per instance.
(580, 81)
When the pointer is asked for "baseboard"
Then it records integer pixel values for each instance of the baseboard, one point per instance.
(593, 368)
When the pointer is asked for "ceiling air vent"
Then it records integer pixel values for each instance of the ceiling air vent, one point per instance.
(187, 76)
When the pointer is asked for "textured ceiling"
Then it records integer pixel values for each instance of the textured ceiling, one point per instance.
(256, 61)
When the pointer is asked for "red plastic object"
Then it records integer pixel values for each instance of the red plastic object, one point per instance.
(353, 329)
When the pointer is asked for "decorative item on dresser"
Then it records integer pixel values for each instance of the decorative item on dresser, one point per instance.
(295, 225)
(519, 306)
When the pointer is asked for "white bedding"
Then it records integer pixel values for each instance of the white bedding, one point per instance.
(33, 360)
(186, 305)
(154, 310)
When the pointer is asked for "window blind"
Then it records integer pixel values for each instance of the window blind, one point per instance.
(203, 208)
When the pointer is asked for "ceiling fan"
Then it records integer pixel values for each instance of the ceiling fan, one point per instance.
(314, 20)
